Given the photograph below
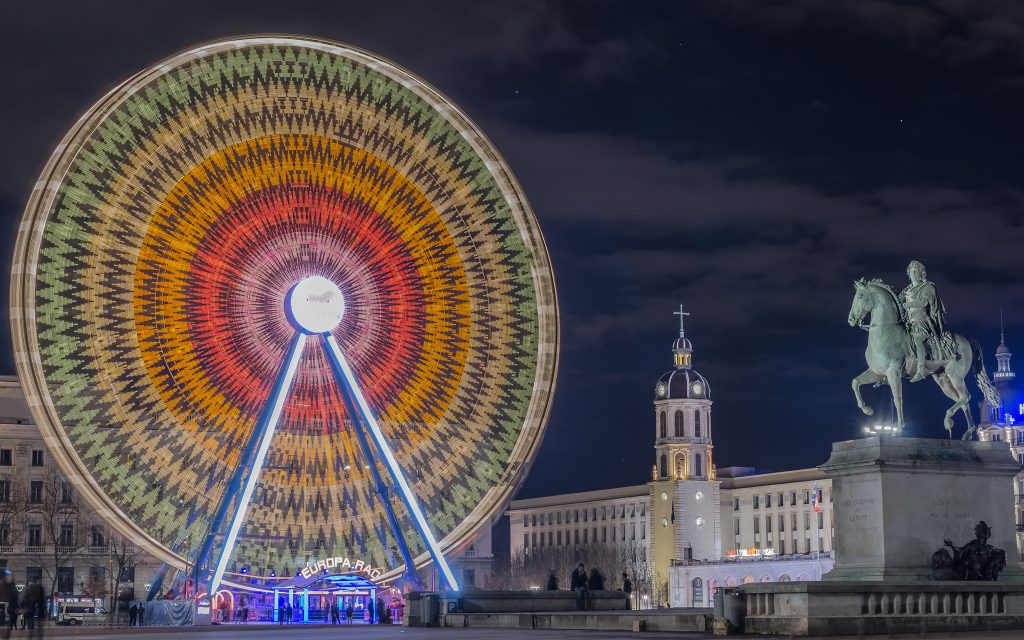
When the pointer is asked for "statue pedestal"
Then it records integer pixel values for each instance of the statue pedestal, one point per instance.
(895, 499)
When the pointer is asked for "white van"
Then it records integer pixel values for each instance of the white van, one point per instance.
(74, 613)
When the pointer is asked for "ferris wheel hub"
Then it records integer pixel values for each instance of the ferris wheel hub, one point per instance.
(315, 305)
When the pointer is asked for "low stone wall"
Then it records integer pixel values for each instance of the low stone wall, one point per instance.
(834, 608)
(428, 608)
(663, 620)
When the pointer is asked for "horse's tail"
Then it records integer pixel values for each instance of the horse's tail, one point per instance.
(984, 383)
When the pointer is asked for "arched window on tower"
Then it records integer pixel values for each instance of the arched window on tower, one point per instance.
(679, 424)
(696, 424)
(697, 466)
(680, 466)
(664, 466)
(664, 430)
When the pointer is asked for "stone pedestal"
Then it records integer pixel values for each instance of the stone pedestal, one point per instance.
(896, 499)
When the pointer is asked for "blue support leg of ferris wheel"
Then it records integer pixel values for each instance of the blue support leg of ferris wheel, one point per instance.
(348, 380)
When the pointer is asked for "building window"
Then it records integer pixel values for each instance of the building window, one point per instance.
(97, 575)
(98, 540)
(737, 526)
(767, 501)
(807, 521)
(551, 538)
(696, 424)
(807, 496)
(643, 530)
(576, 536)
(67, 494)
(526, 521)
(469, 576)
(768, 524)
(6, 459)
(128, 575)
(38, 459)
(633, 532)
(782, 523)
(5, 491)
(757, 524)
(757, 502)
(533, 518)
(664, 466)
(698, 592)
(526, 540)
(35, 535)
(34, 574)
(643, 510)
(66, 579)
(698, 471)
(781, 501)
(661, 422)
(586, 533)
(533, 539)
(559, 538)
(821, 520)
(559, 517)
(5, 535)
(679, 424)
(792, 498)
(782, 547)
(735, 504)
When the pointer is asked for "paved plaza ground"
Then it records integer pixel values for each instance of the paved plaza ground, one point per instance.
(373, 632)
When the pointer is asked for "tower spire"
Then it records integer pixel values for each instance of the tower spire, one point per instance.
(1002, 335)
(682, 320)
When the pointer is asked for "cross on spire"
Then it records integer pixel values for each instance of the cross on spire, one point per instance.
(682, 320)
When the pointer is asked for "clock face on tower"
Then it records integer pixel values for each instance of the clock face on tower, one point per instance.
(661, 390)
(697, 388)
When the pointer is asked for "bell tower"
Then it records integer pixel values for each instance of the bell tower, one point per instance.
(685, 511)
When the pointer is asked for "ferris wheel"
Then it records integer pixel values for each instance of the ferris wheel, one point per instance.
(276, 299)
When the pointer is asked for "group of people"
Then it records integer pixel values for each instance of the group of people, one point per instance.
(136, 615)
(24, 610)
(584, 584)
(336, 613)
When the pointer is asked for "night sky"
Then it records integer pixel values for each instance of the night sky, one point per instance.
(746, 159)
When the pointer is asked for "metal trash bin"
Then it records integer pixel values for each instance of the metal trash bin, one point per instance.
(430, 609)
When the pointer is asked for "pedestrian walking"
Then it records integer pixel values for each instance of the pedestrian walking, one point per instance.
(34, 606)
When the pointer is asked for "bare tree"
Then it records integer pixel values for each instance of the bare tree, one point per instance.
(57, 513)
(122, 555)
(13, 502)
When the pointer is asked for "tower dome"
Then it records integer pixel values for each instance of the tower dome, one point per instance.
(683, 382)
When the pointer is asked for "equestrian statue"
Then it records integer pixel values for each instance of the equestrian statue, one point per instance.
(907, 338)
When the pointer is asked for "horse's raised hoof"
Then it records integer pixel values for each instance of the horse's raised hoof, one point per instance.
(868, 411)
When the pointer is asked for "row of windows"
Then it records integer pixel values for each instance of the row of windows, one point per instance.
(782, 522)
(680, 427)
(782, 549)
(608, 534)
(807, 495)
(7, 458)
(66, 576)
(593, 513)
(65, 536)
(36, 492)
(681, 471)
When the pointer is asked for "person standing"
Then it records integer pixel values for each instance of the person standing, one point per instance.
(142, 615)
(627, 588)
(280, 613)
(578, 583)
(34, 606)
(9, 595)
(288, 613)
(133, 615)
(348, 613)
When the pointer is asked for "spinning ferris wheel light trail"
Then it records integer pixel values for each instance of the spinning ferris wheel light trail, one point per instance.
(178, 319)
(315, 306)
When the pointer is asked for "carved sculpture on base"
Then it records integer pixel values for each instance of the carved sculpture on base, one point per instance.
(976, 560)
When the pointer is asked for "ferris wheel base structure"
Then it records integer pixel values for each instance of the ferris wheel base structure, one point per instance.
(275, 293)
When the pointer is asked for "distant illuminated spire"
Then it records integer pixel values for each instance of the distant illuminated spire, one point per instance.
(682, 349)
(1003, 371)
